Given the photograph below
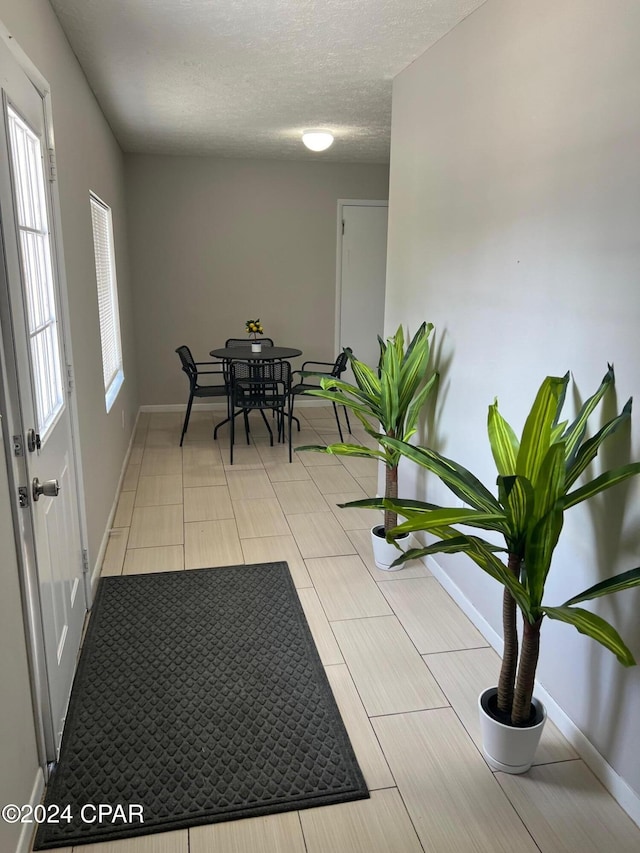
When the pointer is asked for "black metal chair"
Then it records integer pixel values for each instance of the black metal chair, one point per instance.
(338, 367)
(260, 386)
(192, 369)
(235, 342)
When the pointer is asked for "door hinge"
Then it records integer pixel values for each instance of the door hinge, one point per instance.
(70, 380)
(23, 497)
(343, 226)
(85, 561)
(18, 445)
(51, 164)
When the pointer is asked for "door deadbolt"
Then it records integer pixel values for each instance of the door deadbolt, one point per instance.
(49, 488)
(33, 440)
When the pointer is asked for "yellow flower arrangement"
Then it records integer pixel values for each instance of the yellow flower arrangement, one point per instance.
(254, 328)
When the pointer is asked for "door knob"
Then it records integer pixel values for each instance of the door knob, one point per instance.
(49, 488)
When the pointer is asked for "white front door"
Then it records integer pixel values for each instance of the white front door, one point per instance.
(40, 419)
(363, 255)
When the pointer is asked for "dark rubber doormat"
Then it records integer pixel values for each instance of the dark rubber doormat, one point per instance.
(199, 697)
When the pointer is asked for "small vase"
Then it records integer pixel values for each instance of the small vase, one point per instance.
(256, 346)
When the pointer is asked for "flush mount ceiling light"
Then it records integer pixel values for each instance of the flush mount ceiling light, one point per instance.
(317, 140)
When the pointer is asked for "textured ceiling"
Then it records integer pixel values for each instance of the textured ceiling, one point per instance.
(244, 78)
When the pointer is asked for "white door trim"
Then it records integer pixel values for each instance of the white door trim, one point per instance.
(16, 465)
(342, 203)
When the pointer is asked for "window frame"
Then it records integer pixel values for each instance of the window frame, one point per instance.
(112, 384)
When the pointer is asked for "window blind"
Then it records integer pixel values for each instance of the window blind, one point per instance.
(107, 299)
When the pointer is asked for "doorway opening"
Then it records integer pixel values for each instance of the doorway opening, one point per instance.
(361, 264)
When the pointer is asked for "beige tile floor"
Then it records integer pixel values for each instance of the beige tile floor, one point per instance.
(404, 662)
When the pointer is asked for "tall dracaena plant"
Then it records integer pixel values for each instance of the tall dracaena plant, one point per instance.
(536, 484)
(387, 402)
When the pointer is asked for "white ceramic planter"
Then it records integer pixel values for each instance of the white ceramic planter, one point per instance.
(385, 553)
(508, 748)
(257, 347)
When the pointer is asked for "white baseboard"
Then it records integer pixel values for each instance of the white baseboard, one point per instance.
(612, 781)
(627, 798)
(97, 566)
(26, 835)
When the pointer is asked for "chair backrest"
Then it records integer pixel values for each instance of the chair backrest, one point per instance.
(188, 363)
(341, 363)
(252, 380)
(243, 342)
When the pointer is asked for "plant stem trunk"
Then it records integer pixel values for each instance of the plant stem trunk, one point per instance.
(507, 679)
(526, 673)
(391, 491)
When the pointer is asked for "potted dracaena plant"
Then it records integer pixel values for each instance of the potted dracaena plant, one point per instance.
(536, 484)
(388, 403)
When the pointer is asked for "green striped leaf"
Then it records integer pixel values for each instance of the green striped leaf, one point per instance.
(503, 440)
(536, 435)
(383, 349)
(595, 627)
(389, 411)
(538, 552)
(517, 497)
(415, 407)
(417, 342)
(341, 400)
(413, 366)
(395, 352)
(557, 431)
(461, 482)
(483, 554)
(576, 431)
(589, 450)
(480, 551)
(366, 378)
(626, 580)
(550, 485)
(344, 390)
(601, 483)
(434, 519)
(444, 546)
(402, 506)
(344, 450)
(349, 392)
(561, 398)
(483, 557)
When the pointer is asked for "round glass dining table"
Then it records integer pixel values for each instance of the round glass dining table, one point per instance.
(247, 354)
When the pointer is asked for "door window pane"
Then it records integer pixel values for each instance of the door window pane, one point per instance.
(37, 270)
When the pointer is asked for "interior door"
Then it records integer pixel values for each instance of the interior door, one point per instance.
(363, 279)
(40, 420)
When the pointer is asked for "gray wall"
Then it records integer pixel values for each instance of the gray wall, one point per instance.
(88, 159)
(215, 242)
(514, 223)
